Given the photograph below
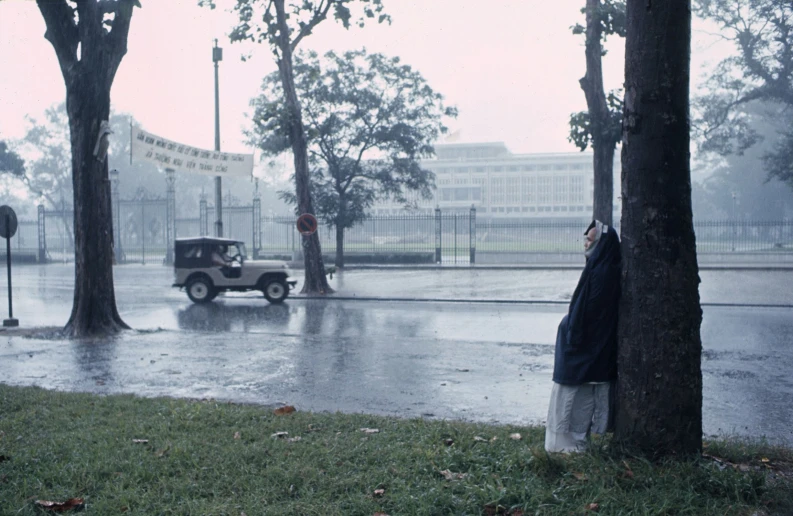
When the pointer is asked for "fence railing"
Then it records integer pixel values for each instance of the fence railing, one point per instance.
(461, 237)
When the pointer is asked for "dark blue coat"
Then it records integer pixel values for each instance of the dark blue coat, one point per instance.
(586, 342)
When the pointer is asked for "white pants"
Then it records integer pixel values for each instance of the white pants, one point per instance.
(575, 412)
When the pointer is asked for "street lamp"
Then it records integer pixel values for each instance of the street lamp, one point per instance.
(118, 254)
(734, 220)
(217, 56)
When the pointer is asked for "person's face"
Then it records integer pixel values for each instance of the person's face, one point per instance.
(590, 238)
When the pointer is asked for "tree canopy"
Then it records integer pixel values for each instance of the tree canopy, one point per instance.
(10, 162)
(369, 119)
(760, 70)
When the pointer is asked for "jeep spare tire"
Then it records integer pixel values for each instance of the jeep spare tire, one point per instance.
(200, 290)
(276, 290)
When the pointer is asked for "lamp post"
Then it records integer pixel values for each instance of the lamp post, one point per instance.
(734, 220)
(118, 253)
(217, 56)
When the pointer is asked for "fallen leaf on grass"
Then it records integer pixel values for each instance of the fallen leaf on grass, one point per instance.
(480, 439)
(370, 430)
(515, 437)
(764, 460)
(579, 476)
(237, 435)
(280, 434)
(594, 507)
(163, 452)
(294, 439)
(288, 409)
(448, 475)
(72, 503)
(379, 492)
(140, 441)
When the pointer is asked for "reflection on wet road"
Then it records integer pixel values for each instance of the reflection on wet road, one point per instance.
(466, 361)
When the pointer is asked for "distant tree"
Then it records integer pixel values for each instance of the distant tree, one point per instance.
(369, 119)
(90, 40)
(761, 70)
(660, 378)
(738, 185)
(283, 24)
(10, 162)
(601, 125)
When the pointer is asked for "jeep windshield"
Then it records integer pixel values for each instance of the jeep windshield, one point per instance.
(235, 249)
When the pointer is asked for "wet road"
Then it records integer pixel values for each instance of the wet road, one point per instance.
(471, 361)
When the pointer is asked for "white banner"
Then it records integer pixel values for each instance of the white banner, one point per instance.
(170, 154)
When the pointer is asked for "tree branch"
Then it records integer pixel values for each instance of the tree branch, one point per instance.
(62, 33)
(319, 14)
(119, 34)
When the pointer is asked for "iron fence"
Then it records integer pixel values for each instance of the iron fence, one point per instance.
(141, 234)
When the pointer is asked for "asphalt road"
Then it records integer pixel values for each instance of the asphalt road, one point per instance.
(463, 360)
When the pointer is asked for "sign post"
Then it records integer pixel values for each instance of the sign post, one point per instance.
(8, 228)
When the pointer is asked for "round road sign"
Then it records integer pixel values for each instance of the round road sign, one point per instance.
(8, 222)
(307, 224)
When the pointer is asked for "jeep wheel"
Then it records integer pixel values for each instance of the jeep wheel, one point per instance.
(276, 291)
(201, 290)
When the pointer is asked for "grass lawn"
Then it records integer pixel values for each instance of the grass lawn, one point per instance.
(130, 455)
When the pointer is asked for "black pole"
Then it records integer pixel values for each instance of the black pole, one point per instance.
(8, 267)
(10, 322)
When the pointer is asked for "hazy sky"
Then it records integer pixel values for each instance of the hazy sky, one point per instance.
(512, 69)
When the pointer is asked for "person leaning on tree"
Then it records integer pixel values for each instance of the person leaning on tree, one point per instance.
(585, 360)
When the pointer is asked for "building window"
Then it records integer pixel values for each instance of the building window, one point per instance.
(577, 189)
(497, 190)
(544, 186)
(560, 190)
(461, 194)
(528, 187)
(513, 191)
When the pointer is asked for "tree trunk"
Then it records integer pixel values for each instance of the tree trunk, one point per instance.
(94, 309)
(89, 57)
(660, 379)
(599, 119)
(339, 246)
(315, 280)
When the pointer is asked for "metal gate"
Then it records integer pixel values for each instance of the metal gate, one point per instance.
(142, 231)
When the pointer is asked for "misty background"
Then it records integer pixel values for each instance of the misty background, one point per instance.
(511, 70)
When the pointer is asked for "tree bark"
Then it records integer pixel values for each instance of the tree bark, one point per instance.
(339, 247)
(94, 308)
(599, 118)
(88, 78)
(660, 379)
(315, 280)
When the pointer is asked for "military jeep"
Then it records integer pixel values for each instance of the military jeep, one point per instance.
(206, 266)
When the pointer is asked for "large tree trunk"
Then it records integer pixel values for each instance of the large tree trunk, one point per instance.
(315, 280)
(660, 380)
(89, 57)
(599, 118)
(339, 246)
(94, 309)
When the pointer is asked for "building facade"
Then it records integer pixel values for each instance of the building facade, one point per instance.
(500, 184)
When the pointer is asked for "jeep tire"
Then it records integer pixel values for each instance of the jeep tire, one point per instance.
(201, 290)
(276, 290)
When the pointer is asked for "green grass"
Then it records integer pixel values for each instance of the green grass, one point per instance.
(56, 446)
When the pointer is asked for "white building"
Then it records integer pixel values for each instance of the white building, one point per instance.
(505, 185)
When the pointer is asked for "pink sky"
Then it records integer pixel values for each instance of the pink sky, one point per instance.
(511, 69)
